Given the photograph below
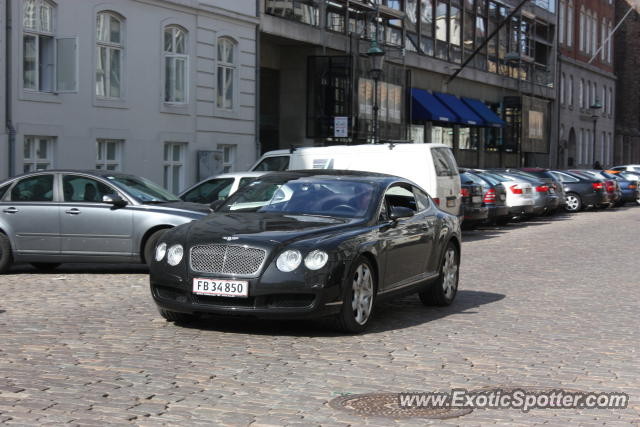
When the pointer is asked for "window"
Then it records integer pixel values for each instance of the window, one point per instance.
(604, 99)
(588, 96)
(580, 146)
(174, 166)
(422, 199)
(609, 46)
(81, 189)
(594, 33)
(594, 96)
(570, 24)
(565, 177)
(581, 93)
(561, 28)
(49, 64)
(562, 88)
(570, 91)
(228, 157)
(226, 73)
(398, 196)
(109, 154)
(38, 153)
(176, 65)
(443, 161)
(276, 164)
(603, 38)
(582, 30)
(587, 32)
(210, 191)
(610, 102)
(109, 50)
(34, 189)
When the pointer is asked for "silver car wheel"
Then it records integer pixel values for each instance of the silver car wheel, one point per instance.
(572, 202)
(362, 301)
(450, 273)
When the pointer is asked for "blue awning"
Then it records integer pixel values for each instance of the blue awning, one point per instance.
(465, 115)
(426, 107)
(485, 112)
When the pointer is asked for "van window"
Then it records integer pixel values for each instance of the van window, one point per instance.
(444, 162)
(276, 164)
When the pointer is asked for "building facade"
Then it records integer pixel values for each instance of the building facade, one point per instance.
(587, 83)
(162, 89)
(627, 41)
(316, 78)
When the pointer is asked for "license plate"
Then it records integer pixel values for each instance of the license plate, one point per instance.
(451, 203)
(503, 197)
(527, 190)
(476, 199)
(221, 288)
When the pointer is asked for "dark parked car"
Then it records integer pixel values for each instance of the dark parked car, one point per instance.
(581, 191)
(611, 186)
(53, 217)
(493, 195)
(309, 244)
(474, 211)
(628, 187)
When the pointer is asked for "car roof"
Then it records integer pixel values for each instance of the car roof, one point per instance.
(95, 172)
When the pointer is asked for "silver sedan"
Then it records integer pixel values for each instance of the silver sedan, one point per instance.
(53, 217)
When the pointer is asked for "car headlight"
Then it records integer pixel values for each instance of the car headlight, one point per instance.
(316, 260)
(161, 250)
(174, 255)
(289, 260)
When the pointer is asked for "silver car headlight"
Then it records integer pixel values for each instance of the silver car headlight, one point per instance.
(174, 255)
(289, 260)
(316, 260)
(161, 250)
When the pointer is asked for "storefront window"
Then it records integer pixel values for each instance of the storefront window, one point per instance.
(442, 135)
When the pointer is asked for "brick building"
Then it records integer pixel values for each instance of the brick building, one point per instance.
(587, 83)
(627, 42)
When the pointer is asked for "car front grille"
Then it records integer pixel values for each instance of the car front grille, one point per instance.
(227, 259)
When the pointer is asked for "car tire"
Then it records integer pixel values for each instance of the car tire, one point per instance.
(360, 290)
(45, 266)
(174, 316)
(6, 259)
(444, 290)
(573, 202)
(150, 245)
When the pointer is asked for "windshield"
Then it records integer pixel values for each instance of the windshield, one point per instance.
(310, 196)
(142, 189)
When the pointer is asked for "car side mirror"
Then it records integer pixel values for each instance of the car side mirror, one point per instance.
(399, 212)
(216, 204)
(114, 199)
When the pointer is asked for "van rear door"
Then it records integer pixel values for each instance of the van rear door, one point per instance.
(447, 180)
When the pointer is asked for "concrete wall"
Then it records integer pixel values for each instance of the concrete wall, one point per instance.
(4, 164)
(141, 118)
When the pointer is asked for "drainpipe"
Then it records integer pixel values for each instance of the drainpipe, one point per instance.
(11, 130)
(257, 85)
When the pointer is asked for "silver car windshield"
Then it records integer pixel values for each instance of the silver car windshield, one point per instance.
(322, 197)
(142, 189)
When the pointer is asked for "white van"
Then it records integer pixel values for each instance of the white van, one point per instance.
(431, 166)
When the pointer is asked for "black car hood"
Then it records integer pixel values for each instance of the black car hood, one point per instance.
(264, 228)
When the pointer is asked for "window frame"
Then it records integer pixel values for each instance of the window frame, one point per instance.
(104, 163)
(38, 34)
(174, 57)
(170, 164)
(110, 46)
(33, 160)
(225, 68)
(231, 152)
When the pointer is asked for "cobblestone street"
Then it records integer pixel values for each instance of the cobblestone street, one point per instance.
(549, 303)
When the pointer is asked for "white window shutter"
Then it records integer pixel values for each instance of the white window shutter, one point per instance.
(67, 64)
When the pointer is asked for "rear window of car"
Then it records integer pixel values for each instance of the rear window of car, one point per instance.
(209, 191)
(475, 179)
(444, 162)
(275, 163)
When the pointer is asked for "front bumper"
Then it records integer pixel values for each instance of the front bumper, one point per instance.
(302, 295)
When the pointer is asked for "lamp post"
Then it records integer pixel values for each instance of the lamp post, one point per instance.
(594, 108)
(376, 57)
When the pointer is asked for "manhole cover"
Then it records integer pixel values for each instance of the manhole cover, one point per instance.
(386, 405)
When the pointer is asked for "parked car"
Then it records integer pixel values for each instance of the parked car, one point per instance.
(610, 185)
(493, 196)
(628, 187)
(309, 244)
(543, 202)
(217, 187)
(581, 191)
(518, 194)
(630, 168)
(555, 185)
(53, 217)
(431, 166)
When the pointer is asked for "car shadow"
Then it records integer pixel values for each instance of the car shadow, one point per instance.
(401, 313)
(82, 269)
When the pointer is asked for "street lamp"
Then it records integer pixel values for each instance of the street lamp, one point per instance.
(594, 108)
(376, 58)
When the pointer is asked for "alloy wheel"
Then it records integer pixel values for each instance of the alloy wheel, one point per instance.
(362, 301)
(450, 273)
(572, 202)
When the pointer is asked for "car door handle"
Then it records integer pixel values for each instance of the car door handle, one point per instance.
(73, 211)
(10, 210)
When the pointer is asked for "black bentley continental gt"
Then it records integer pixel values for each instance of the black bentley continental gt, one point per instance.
(309, 244)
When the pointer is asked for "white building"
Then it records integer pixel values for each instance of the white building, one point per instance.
(163, 89)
